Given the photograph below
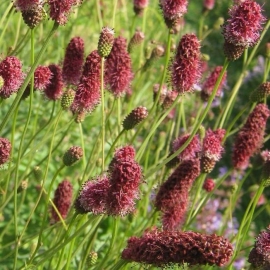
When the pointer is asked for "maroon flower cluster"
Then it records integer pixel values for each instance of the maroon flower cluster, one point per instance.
(250, 137)
(62, 200)
(73, 62)
(208, 4)
(259, 256)
(54, 88)
(60, 9)
(5, 150)
(139, 6)
(88, 93)
(173, 9)
(172, 197)
(209, 185)
(113, 194)
(118, 70)
(210, 82)
(24, 5)
(11, 72)
(163, 248)
(42, 77)
(243, 28)
(186, 69)
(93, 195)
(192, 149)
(211, 149)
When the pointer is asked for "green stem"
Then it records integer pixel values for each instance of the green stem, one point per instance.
(20, 151)
(119, 265)
(9, 12)
(114, 12)
(83, 147)
(27, 79)
(102, 115)
(245, 224)
(198, 188)
(114, 143)
(115, 230)
(153, 129)
(50, 253)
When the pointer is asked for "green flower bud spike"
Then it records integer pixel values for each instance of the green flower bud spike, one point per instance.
(105, 42)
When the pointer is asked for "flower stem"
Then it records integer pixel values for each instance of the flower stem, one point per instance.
(102, 114)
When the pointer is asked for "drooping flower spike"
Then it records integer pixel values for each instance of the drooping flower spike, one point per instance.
(164, 248)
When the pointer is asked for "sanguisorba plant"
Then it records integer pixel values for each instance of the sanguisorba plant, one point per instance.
(134, 134)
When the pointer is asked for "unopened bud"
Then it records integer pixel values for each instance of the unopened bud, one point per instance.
(135, 41)
(80, 117)
(67, 99)
(37, 173)
(72, 156)
(232, 52)
(135, 117)
(218, 23)
(1, 81)
(32, 17)
(92, 258)
(262, 92)
(23, 186)
(105, 42)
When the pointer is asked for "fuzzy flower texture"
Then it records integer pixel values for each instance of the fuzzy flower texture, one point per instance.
(114, 193)
(62, 200)
(259, 256)
(244, 25)
(59, 10)
(250, 137)
(185, 69)
(12, 75)
(5, 150)
(163, 248)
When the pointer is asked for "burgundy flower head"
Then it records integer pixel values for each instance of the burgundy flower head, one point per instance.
(42, 77)
(118, 70)
(73, 62)
(60, 9)
(208, 4)
(88, 93)
(259, 256)
(163, 248)
(62, 200)
(93, 195)
(139, 6)
(5, 150)
(24, 5)
(186, 69)
(210, 82)
(123, 153)
(172, 197)
(191, 151)
(11, 72)
(245, 23)
(54, 89)
(250, 136)
(173, 9)
(209, 185)
(212, 147)
(125, 175)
